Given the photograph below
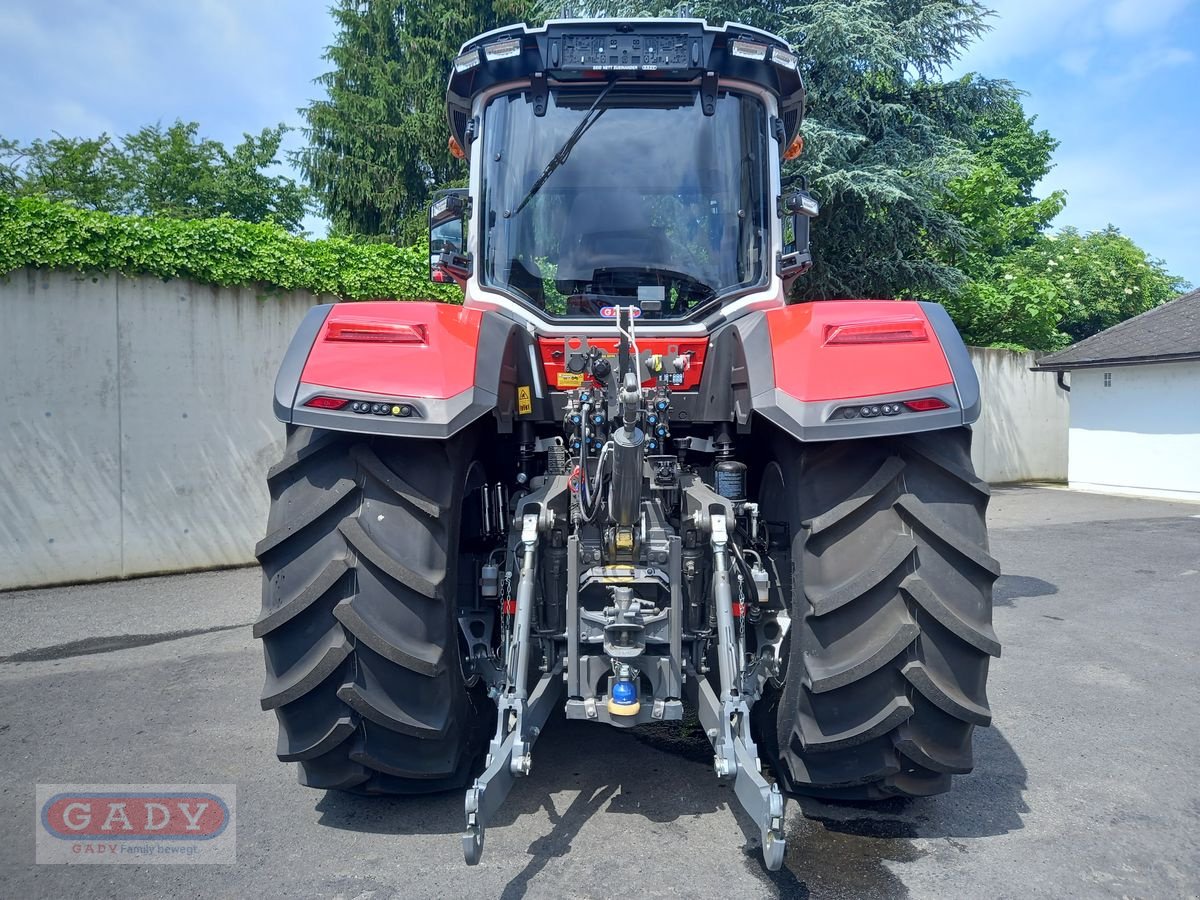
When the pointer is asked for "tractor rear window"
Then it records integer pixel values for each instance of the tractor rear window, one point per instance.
(625, 194)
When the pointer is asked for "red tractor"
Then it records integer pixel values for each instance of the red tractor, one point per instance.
(626, 477)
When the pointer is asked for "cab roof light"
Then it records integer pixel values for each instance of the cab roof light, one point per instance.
(786, 60)
(502, 49)
(376, 332)
(890, 331)
(748, 50)
(926, 404)
(467, 61)
(322, 402)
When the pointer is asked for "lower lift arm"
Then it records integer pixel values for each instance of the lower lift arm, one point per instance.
(726, 720)
(521, 715)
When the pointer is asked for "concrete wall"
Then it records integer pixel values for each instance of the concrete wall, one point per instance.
(1140, 434)
(1021, 434)
(136, 424)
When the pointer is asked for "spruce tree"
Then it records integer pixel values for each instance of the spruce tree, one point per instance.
(378, 140)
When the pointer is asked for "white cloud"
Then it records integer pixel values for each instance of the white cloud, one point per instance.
(1078, 60)
(1030, 27)
(74, 118)
(1141, 66)
(1121, 182)
(1072, 31)
(79, 67)
(1130, 18)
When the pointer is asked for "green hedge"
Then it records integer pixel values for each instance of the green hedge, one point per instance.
(40, 233)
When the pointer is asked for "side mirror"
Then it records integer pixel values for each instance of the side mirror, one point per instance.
(796, 258)
(448, 258)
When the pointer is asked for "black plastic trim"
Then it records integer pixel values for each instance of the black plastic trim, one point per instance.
(433, 419)
(958, 358)
(538, 56)
(287, 382)
(758, 360)
(496, 364)
(811, 421)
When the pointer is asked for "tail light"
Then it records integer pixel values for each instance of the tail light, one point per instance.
(321, 402)
(926, 404)
(890, 331)
(375, 332)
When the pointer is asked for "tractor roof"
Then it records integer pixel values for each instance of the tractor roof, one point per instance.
(651, 50)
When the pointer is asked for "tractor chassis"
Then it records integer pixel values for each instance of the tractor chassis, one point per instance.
(725, 717)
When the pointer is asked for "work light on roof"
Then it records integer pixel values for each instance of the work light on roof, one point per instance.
(467, 61)
(503, 49)
(748, 50)
(782, 58)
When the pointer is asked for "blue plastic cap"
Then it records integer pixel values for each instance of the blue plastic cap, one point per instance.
(624, 693)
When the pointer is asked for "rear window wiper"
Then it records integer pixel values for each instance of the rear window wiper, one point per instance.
(588, 120)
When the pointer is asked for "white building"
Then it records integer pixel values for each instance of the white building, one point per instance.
(1135, 404)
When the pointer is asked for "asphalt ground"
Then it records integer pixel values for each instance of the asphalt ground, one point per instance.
(1085, 786)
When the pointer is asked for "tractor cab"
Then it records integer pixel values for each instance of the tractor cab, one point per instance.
(623, 163)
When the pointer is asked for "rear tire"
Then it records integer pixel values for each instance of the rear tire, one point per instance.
(891, 632)
(359, 619)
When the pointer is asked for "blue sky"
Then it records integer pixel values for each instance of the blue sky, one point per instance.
(1116, 81)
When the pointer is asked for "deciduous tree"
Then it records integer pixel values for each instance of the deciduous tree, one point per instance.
(1062, 288)
(159, 171)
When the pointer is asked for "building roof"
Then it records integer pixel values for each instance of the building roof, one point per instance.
(1167, 333)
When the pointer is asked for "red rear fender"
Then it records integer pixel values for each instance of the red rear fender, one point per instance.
(414, 369)
(365, 347)
(836, 350)
(857, 368)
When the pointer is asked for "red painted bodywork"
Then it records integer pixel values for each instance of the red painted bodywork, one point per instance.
(695, 348)
(441, 367)
(808, 368)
